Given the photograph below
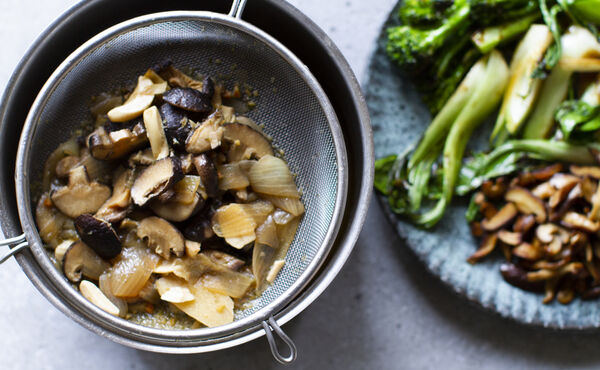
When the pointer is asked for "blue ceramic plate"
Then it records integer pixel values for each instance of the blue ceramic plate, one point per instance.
(399, 119)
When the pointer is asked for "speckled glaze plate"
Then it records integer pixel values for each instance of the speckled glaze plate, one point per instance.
(399, 118)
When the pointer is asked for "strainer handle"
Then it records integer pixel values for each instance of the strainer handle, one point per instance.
(19, 243)
(271, 326)
(237, 8)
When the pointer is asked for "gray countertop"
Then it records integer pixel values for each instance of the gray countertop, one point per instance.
(384, 311)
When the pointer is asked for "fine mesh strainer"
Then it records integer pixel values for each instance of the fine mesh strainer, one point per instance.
(291, 104)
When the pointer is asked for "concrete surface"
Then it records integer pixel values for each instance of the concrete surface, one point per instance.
(384, 311)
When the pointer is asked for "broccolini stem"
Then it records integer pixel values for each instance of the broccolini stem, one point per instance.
(481, 103)
(439, 127)
(487, 39)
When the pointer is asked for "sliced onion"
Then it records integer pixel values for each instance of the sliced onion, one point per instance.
(292, 206)
(209, 308)
(281, 217)
(131, 273)
(286, 234)
(259, 210)
(229, 283)
(174, 290)
(235, 224)
(267, 233)
(246, 165)
(231, 176)
(263, 257)
(275, 269)
(189, 269)
(271, 176)
(186, 189)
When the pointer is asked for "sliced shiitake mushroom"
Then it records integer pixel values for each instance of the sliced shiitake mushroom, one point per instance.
(564, 184)
(527, 203)
(177, 126)
(177, 78)
(99, 235)
(580, 222)
(585, 171)
(510, 237)
(61, 249)
(524, 223)
(245, 143)
(544, 190)
(155, 179)
(546, 233)
(80, 260)
(108, 146)
(189, 99)
(208, 173)
(143, 157)
(501, 218)
(528, 251)
(49, 220)
(186, 200)
(119, 204)
(207, 136)
(494, 189)
(545, 173)
(161, 236)
(517, 276)
(80, 195)
(487, 246)
(65, 165)
(175, 211)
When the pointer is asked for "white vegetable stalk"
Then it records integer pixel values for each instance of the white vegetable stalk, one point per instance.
(577, 43)
(522, 89)
(591, 95)
(444, 119)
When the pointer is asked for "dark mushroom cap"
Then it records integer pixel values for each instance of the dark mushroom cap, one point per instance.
(99, 235)
(189, 99)
(208, 173)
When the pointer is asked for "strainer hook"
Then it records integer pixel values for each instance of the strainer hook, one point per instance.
(271, 327)
(21, 243)
(237, 8)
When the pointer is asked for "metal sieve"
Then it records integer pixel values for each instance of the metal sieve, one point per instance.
(291, 104)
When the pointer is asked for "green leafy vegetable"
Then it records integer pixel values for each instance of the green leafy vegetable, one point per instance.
(577, 119)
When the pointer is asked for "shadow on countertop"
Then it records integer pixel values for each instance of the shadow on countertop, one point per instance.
(385, 311)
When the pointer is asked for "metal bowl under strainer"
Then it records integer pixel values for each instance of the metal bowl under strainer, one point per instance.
(296, 113)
